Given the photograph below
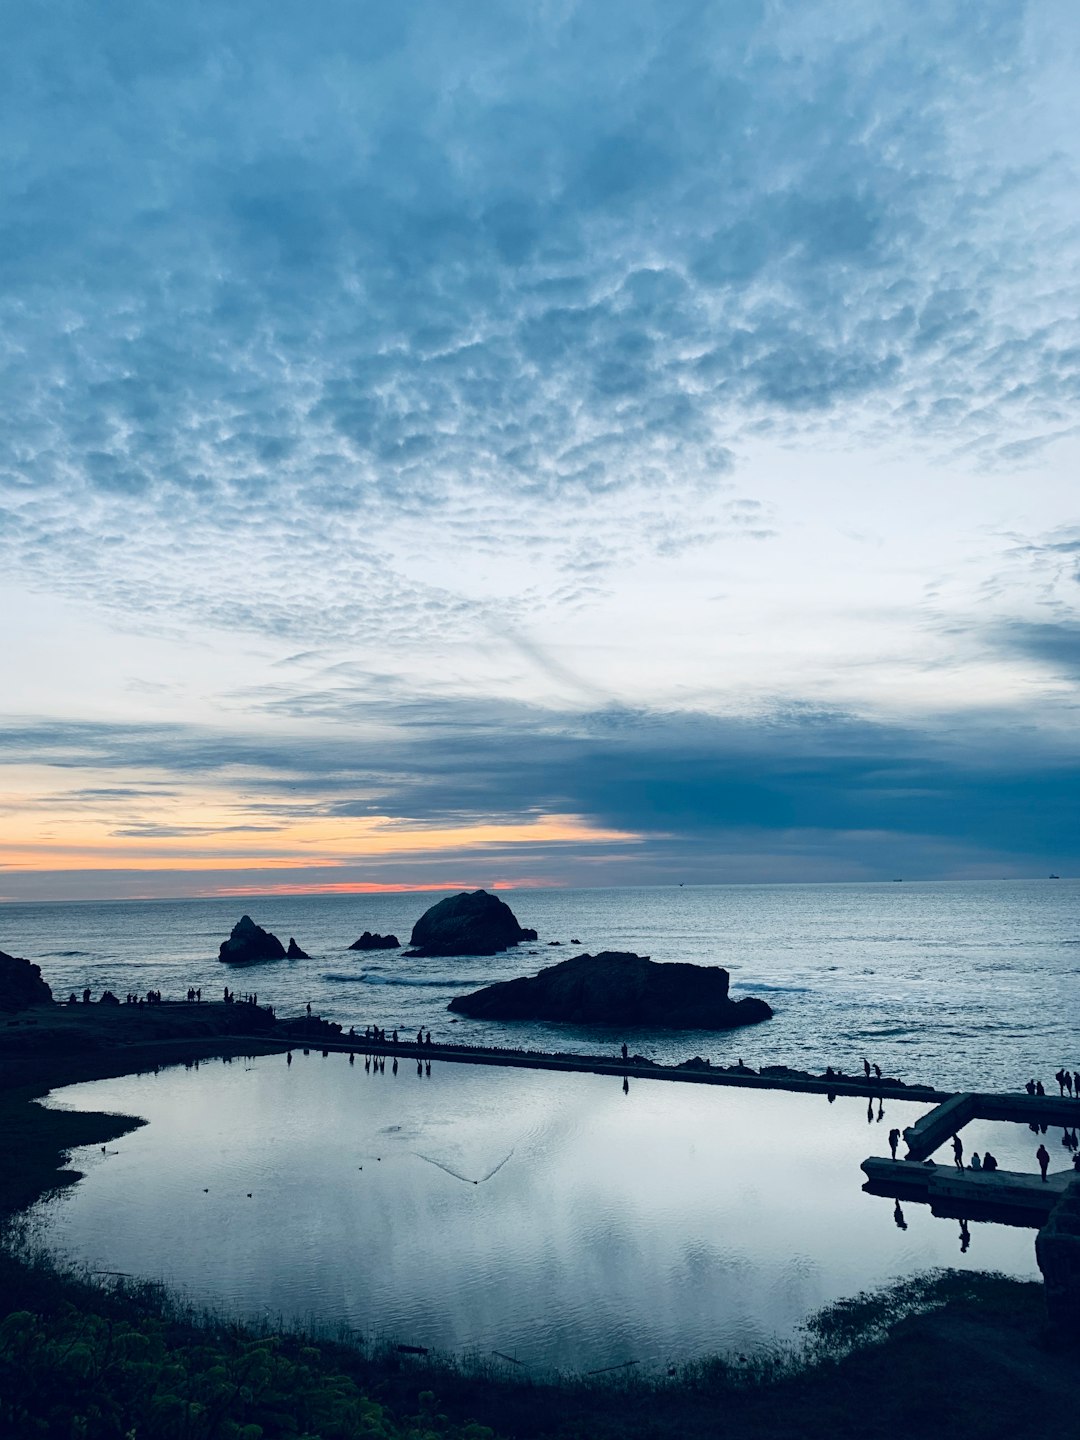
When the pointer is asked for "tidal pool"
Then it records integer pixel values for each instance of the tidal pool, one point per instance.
(551, 1217)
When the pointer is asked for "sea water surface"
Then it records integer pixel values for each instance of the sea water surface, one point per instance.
(558, 1219)
(960, 985)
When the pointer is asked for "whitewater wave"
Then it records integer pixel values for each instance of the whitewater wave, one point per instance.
(445, 982)
(745, 984)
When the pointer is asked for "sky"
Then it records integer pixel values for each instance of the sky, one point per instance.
(455, 442)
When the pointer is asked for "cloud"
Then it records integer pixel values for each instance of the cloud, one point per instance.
(796, 794)
(283, 301)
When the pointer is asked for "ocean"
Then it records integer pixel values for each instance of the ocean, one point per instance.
(960, 985)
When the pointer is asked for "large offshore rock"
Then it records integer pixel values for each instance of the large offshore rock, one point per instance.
(250, 942)
(614, 988)
(369, 941)
(472, 923)
(21, 984)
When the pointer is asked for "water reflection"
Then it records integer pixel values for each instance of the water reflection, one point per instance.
(569, 1220)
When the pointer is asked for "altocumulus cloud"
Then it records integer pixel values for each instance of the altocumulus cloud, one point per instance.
(273, 288)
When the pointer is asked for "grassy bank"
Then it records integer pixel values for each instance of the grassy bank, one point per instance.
(110, 1361)
(83, 1359)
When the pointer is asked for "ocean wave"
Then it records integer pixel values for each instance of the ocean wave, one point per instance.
(444, 983)
(64, 954)
(745, 984)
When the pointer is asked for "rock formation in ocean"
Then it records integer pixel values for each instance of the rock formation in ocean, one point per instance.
(473, 923)
(368, 941)
(294, 952)
(21, 984)
(614, 988)
(250, 942)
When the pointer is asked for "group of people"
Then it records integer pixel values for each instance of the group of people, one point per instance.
(1068, 1084)
(230, 997)
(377, 1036)
(152, 997)
(986, 1162)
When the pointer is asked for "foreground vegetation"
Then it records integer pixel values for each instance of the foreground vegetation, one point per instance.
(98, 1358)
(112, 1360)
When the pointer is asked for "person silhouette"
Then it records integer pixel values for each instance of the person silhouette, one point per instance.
(288, 1058)
(1042, 1155)
(866, 1067)
(965, 1237)
(877, 1071)
(626, 1085)
(989, 1161)
(958, 1152)
(894, 1140)
(898, 1217)
(976, 1163)
(625, 1052)
(394, 1068)
(352, 1058)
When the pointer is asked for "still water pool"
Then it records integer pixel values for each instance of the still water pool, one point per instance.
(551, 1217)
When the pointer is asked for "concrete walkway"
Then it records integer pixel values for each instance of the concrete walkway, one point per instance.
(947, 1119)
(1008, 1195)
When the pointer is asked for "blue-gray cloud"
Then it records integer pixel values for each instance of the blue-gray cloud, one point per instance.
(808, 785)
(268, 285)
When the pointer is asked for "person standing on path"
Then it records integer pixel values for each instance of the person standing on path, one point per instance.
(1042, 1155)
(894, 1140)
(958, 1151)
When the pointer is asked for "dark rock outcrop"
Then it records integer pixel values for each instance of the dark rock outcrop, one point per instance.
(473, 923)
(294, 952)
(614, 988)
(21, 984)
(249, 943)
(368, 941)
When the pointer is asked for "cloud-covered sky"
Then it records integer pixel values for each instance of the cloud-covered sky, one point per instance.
(474, 442)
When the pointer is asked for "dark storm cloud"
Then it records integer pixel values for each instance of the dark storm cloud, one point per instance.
(269, 284)
(803, 783)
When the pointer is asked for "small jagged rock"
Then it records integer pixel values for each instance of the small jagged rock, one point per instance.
(249, 943)
(375, 941)
(472, 923)
(21, 984)
(294, 952)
